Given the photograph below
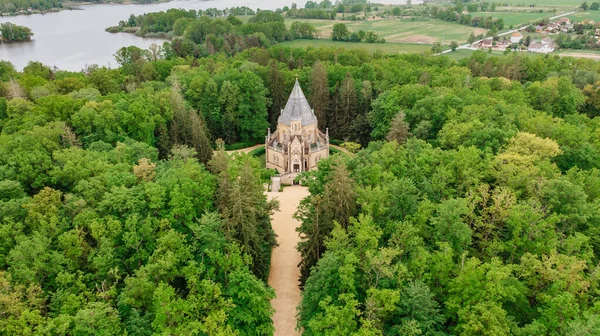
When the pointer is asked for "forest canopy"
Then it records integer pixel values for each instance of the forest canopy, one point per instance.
(472, 210)
(14, 6)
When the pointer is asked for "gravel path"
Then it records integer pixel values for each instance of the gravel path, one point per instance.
(284, 261)
(247, 149)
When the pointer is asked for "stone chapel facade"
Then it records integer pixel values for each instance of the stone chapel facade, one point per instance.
(297, 144)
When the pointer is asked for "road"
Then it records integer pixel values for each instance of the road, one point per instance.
(468, 46)
(285, 274)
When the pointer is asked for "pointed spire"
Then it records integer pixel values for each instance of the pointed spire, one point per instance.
(297, 108)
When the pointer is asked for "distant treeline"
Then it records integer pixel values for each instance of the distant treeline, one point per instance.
(195, 34)
(14, 6)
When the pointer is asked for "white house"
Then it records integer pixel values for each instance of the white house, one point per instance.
(516, 37)
(540, 48)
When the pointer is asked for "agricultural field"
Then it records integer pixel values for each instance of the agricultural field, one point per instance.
(595, 55)
(516, 18)
(544, 3)
(428, 31)
(390, 48)
(588, 15)
(465, 53)
(398, 31)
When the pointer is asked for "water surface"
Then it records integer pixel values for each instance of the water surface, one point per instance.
(72, 39)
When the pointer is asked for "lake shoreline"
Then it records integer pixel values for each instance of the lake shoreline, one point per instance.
(69, 6)
(72, 40)
(15, 42)
(134, 30)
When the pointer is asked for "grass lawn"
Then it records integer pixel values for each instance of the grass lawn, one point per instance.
(319, 24)
(399, 31)
(460, 54)
(591, 54)
(589, 15)
(464, 53)
(544, 3)
(516, 18)
(391, 48)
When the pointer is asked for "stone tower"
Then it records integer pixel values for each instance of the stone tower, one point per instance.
(297, 144)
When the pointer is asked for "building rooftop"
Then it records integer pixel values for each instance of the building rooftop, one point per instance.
(535, 45)
(297, 108)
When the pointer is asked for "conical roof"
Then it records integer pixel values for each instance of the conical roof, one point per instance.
(297, 108)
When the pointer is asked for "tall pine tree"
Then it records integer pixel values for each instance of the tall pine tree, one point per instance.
(276, 85)
(319, 93)
(346, 108)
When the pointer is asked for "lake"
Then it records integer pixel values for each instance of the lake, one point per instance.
(72, 39)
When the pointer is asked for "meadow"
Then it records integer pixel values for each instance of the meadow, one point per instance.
(588, 15)
(544, 3)
(402, 31)
(406, 35)
(591, 54)
(517, 18)
(390, 48)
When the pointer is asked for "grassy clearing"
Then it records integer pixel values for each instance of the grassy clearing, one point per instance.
(591, 54)
(459, 54)
(544, 3)
(516, 18)
(416, 31)
(398, 31)
(317, 23)
(589, 15)
(390, 48)
(465, 53)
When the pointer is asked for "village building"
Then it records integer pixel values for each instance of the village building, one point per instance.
(553, 28)
(516, 37)
(501, 45)
(297, 144)
(542, 48)
(486, 43)
(564, 21)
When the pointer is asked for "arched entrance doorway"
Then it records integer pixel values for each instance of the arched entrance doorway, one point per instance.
(296, 165)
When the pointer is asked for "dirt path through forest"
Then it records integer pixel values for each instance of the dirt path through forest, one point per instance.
(284, 261)
(246, 150)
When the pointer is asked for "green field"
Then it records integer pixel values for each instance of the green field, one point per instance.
(545, 3)
(391, 48)
(464, 53)
(319, 24)
(398, 31)
(591, 54)
(589, 15)
(516, 18)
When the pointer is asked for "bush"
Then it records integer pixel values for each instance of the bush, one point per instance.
(257, 151)
(113, 29)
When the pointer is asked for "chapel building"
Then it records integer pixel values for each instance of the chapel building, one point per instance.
(297, 144)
